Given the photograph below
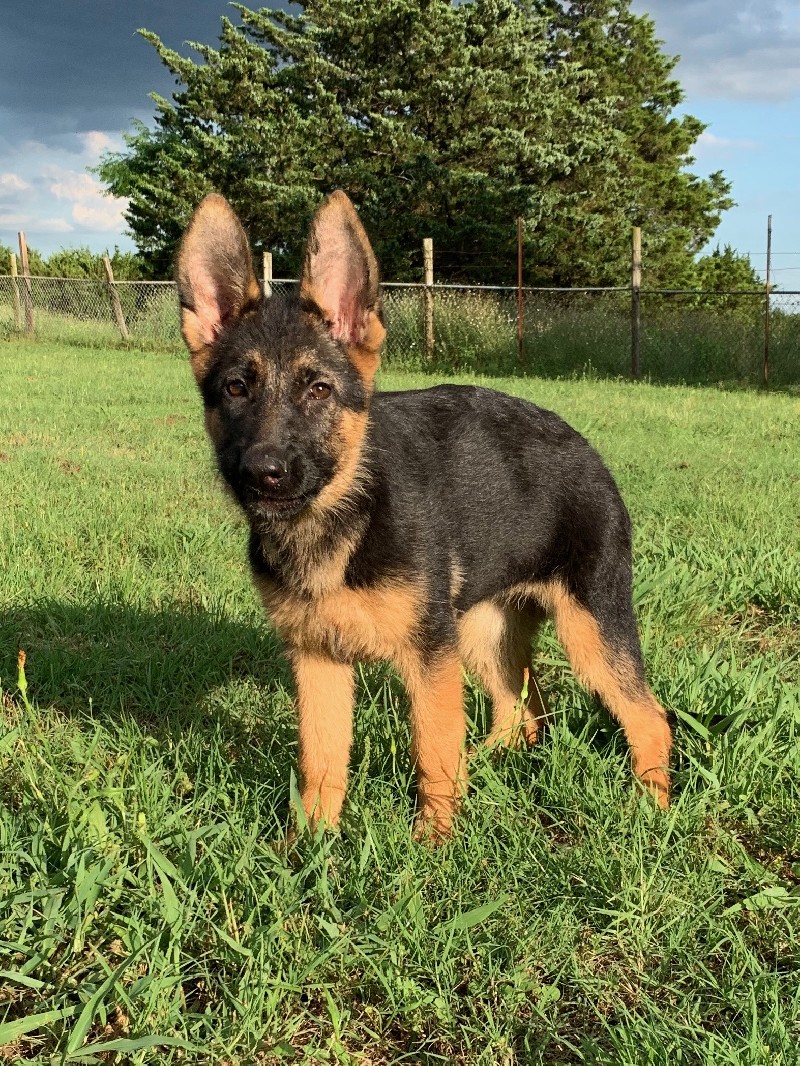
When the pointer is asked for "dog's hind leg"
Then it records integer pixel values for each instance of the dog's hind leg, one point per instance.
(607, 659)
(495, 644)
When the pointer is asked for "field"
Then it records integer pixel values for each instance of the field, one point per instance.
(149, 908)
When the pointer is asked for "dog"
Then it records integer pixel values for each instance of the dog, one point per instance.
(430, 528)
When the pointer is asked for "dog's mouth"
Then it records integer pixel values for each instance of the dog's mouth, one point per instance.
(266, 506)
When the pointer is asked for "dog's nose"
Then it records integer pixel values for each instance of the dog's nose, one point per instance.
(265, 468)
(271, 471)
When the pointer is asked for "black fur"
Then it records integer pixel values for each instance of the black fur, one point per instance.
(504, 488)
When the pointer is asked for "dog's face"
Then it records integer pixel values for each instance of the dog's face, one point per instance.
(286, 381)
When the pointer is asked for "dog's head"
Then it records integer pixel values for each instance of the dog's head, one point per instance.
(286, 380)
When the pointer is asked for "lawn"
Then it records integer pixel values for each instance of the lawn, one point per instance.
(148, 904)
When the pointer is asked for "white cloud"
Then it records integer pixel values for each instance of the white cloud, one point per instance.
(95, 142)
(12, 183)
(56, 184)
(731, 49)
(30, 147)
(8, 218)
(11, 221)
(73, 185)
(106, 215)
(709, 143)
(91, 208)
(51, 225)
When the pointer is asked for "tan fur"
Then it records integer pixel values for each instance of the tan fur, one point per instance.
(365, 357)
(610, 674)
(350, 442)
(325, 635)
(373, 623)
(456, 580)
(200, 357)
(494, 642)
(438, 729)
(325, 706)
(325, 724)
(316, 570)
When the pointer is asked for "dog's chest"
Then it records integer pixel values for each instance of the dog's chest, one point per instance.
(349, 624)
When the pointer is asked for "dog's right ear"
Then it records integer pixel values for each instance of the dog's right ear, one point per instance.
(215, 276)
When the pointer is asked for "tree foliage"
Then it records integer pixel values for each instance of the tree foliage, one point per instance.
(444, 120)
(726, 270)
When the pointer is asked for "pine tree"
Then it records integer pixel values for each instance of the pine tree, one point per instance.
(726, 270)
(440, 120)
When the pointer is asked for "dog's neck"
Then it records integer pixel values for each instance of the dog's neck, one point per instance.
(308, 555)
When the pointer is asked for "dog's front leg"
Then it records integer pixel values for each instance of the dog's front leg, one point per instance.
(438, 727)
(325, 720)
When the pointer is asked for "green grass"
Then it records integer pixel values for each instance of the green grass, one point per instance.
(147, 904)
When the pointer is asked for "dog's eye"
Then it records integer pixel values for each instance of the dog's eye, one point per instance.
(320, 391)
(236, 388)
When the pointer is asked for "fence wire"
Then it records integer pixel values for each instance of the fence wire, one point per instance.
(693, 337)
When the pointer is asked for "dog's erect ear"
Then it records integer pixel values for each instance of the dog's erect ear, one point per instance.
(216, 280)
(340, 276)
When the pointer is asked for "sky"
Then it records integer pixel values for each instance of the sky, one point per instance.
(74, 74)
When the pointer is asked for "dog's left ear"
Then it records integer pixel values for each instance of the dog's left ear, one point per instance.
(215, 276)
(340, 276)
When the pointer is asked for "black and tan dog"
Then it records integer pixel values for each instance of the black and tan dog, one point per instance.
(428, 528)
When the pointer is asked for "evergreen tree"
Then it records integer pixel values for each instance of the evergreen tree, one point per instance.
(726, 270)
(440, 120)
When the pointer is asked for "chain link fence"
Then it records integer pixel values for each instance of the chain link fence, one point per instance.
(692, 337)
(82, 311)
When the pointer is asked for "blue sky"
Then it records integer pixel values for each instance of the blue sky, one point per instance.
(740, 70)
(73, 75)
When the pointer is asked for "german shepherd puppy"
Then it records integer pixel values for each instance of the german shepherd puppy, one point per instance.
(430, 528)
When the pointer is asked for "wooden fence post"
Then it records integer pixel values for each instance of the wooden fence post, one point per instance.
(427, 260)
(15, 294)
(268, 273)
(116, 306)
(636, 304)
(26, 283)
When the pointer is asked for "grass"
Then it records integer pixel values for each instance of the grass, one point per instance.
(149, 910)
